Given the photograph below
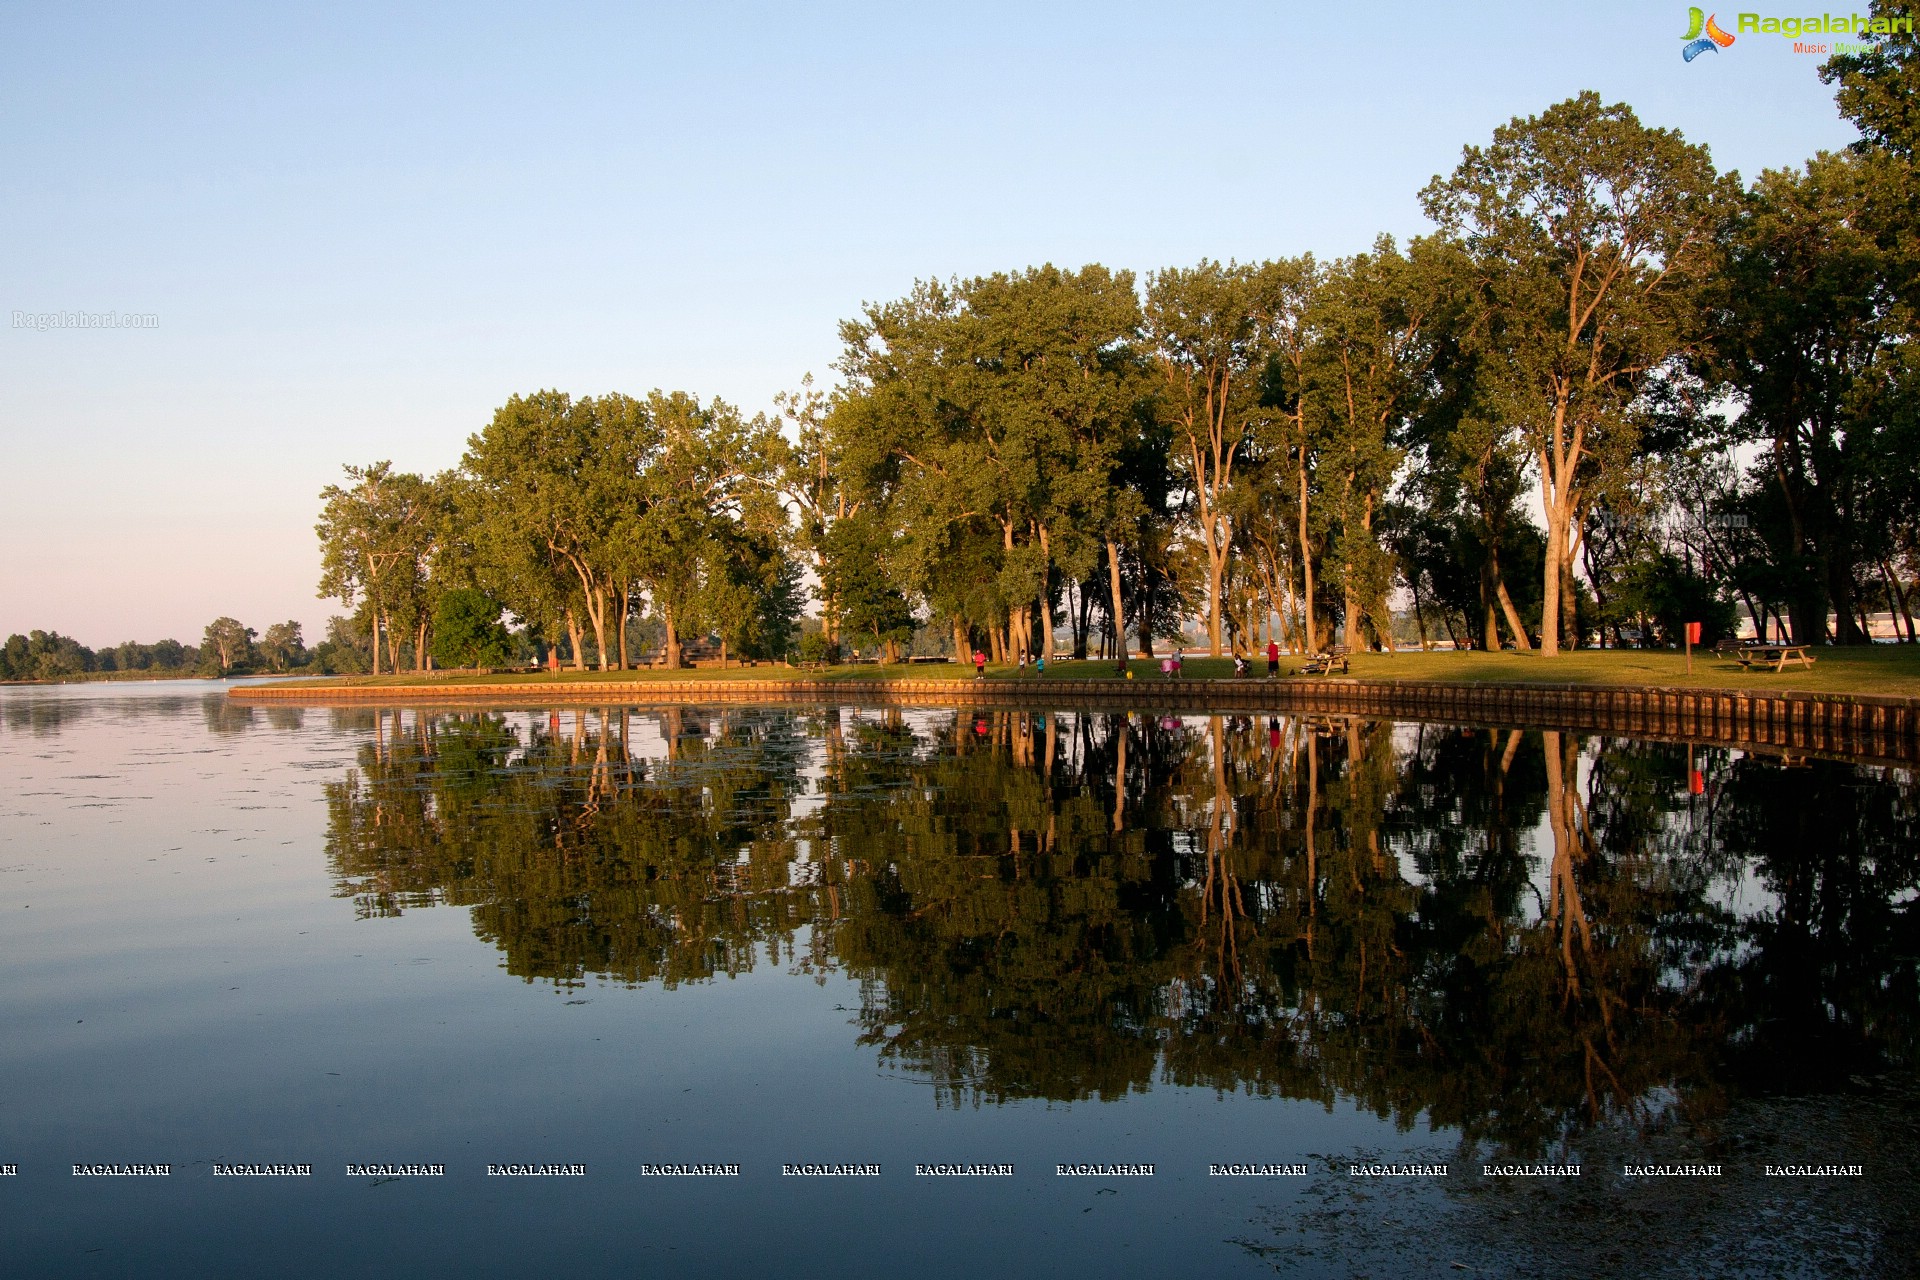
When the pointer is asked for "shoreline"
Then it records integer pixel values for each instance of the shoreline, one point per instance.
(1858, 726)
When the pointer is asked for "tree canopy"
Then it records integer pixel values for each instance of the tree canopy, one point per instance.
(1613, 391)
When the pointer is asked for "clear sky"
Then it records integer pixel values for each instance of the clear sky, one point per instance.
(362, 229)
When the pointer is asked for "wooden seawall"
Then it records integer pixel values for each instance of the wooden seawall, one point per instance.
(1882, 729)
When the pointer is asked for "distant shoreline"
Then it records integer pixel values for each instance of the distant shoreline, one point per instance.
(148, 677)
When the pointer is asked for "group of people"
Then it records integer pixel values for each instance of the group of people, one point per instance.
(1169, 665)
(980, 665)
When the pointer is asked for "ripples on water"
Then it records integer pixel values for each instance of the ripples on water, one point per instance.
(899, 935)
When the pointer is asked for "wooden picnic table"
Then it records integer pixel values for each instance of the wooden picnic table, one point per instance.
(1776, 656)
(1324, 662)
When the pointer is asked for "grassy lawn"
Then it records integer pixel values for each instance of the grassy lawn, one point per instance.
(1877, 669)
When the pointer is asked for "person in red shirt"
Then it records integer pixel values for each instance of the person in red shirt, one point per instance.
(979, 665)
(1273, 658)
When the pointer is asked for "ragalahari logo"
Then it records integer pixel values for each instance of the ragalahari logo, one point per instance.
(1714, 38)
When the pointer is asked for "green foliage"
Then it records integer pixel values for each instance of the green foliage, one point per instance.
(45, 655)
(1815, 338)
(467, 630)
(1663, 589)
(282, 646)
(1592, 235)
(346, 650)
(873, 610)
(226, 646)
(376, 537)
(815, 647)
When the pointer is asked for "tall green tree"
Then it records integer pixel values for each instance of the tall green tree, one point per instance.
(227, 644)
(281, 646)
(561, 474)
(1819, 347)
(1211, 330)
(1374, 319)
(807, 466)
(373, 532)
(698, 473)
(998, 406)
(1593, 234)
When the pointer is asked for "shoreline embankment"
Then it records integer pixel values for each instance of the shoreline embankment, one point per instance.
(1865, 727)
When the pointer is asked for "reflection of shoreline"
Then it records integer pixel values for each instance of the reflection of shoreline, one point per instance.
(1517, 936)
(1883, 730)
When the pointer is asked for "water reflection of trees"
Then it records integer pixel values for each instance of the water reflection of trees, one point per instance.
(1519, 935)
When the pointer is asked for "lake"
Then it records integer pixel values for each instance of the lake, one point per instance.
(863, 991)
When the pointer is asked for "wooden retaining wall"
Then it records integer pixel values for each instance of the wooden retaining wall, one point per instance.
(1857, 726)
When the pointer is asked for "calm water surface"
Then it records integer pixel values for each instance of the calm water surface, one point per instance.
(756, 937)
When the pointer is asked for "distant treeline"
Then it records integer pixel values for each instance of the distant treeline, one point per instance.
(1616, 390)
(227, 647)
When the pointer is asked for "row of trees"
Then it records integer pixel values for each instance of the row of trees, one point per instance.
(227, 647)
(575, 514)
(1615, 389)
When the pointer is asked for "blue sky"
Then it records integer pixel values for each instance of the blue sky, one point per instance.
(362, 229)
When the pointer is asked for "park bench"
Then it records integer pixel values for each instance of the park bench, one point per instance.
(1777, 656)
(1327, 661)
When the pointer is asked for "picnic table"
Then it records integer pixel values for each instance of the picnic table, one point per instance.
(1776, 656)
(1324, 662)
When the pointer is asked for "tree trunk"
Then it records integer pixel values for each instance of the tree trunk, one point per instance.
(1550, 586)
(1046, 623)
(1840, 590)
(1897, 601)
(1046, 594)
(670, 641)
(1119, 604)
(962, 642)
(1306, 562)
(1084, 622)
(1521, 640)
(626, 607)
(1216, 587)
(577, 640)
(597, 614)
(1569, 606)
(1505, 601)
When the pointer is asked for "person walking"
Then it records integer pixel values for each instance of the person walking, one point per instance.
(1273, 658)
(1023, 662)
(1040, 665)
(979, 665)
